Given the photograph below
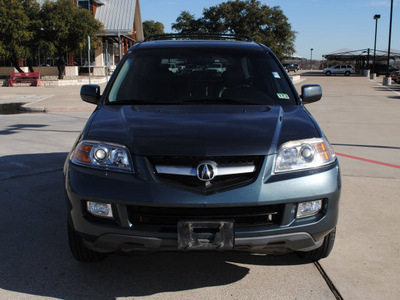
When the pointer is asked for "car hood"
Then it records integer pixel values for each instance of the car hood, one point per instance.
(201, 130)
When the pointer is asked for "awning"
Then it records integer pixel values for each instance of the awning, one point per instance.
(346, 54)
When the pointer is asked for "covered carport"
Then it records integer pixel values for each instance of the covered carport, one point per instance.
(363, 58)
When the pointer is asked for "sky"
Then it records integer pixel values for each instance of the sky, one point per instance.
(324, 25)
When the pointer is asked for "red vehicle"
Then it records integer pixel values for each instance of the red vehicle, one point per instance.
(395, 76)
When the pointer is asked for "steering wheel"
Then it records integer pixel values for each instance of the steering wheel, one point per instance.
(224, 89)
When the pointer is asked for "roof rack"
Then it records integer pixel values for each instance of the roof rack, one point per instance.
(198, 36)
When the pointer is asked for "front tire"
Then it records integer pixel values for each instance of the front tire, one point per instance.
(79, 249)
(321, 252)
(328, 73)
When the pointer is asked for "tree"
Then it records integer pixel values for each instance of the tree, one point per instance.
(65, 29)
(186, 23)
(32, 10)
(151, 27)
(264, 24)
(15, 31)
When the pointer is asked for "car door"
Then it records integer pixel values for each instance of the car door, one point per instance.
(336, 70)
(342, 69)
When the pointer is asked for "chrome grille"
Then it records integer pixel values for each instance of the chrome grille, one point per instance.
(233, 172)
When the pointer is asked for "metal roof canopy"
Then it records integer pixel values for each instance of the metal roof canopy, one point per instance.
(117, 17)
(361, 55)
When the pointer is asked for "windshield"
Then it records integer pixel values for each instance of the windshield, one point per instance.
(201, 76)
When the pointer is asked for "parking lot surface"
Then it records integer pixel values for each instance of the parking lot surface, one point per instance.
(361, 120)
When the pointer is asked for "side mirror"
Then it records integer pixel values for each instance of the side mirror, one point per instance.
(90, 93)
(311, 93)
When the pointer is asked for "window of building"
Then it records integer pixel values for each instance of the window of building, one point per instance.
(84, 4)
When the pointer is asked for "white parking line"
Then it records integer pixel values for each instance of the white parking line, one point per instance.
(397, 93)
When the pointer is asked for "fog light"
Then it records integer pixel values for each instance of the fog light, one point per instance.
(100, 209)
(309, 208)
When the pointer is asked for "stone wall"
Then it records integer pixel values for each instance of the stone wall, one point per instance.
(44, 71)
(6, 71)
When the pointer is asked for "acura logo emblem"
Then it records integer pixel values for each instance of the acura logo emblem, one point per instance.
(207, 170)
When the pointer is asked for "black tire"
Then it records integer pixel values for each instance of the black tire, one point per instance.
(321, 252)
(328, 73)
(347, 73)
(80, 251)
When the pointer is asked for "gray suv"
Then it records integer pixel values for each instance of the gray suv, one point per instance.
(201, 159)
(339, 69)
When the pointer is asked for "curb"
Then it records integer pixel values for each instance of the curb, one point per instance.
(69, 82)
(295, 78)
(54, 109)
(32, 109)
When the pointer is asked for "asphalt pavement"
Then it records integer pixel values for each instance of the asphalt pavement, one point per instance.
(359, 116)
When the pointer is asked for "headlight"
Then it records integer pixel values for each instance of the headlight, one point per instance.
(304, 154)
(102, 156)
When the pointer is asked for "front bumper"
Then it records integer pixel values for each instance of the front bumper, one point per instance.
(281, 243)
(124, 191)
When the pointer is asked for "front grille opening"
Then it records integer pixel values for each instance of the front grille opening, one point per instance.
(243, 216)
(219, 183)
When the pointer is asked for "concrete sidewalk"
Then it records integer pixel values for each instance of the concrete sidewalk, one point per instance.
(46, 98)
(67, 98)
(361, 119)
(55, 98)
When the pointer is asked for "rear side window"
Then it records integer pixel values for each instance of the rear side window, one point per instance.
(181, 76)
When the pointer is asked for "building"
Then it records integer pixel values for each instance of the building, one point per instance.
(123, 27)
(122, 24)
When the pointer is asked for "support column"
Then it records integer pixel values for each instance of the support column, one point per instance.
(70, 59)
(126, 44)
(99, 57)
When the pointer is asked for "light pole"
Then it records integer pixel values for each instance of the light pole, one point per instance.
(388, 80)
(376, 18)
(311, 59)
(89, 50)
(89, 56)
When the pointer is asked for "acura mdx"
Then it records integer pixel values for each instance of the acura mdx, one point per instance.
(194, 157)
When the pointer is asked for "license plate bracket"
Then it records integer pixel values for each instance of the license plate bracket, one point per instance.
(205, 235)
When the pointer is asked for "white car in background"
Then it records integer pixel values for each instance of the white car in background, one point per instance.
(172, 67)
(339, 69)
(218, 67)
